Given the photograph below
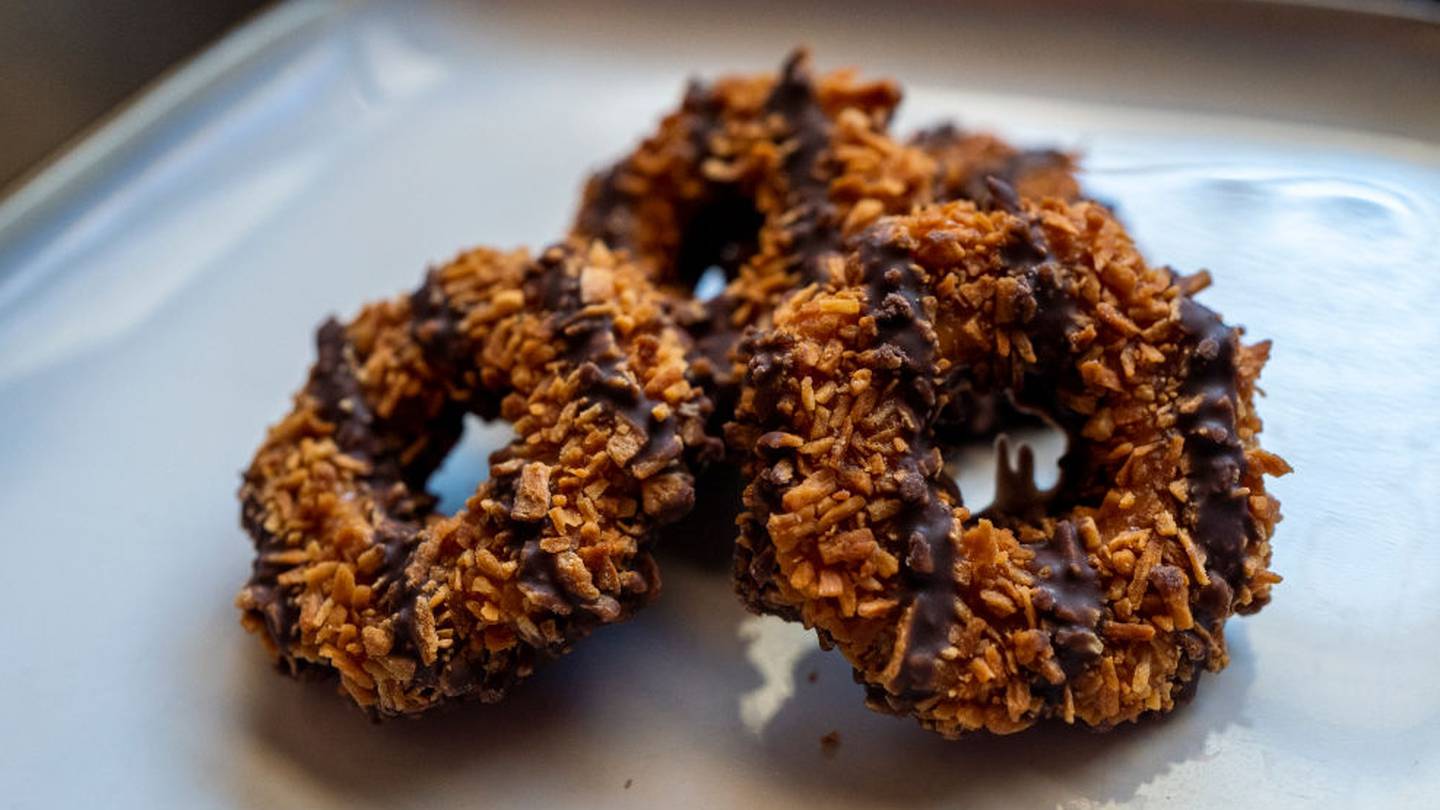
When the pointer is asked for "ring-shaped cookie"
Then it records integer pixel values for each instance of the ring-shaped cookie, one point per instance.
(357, 575)
(1100, 605)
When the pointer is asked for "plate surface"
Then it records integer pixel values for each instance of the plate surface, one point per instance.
(158, 290)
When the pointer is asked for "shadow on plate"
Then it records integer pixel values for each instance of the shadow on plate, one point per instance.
(581, 717)
(892, 760)
(687, 662)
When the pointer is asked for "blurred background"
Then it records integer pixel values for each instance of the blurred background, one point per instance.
(66, 64)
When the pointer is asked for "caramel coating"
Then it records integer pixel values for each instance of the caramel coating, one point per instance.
(1100, 606)
(357, 575)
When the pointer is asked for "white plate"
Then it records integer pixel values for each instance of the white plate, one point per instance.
(159, 287)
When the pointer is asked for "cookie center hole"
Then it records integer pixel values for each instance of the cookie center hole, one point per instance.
(468, 465)
(711, 283)
(976, 465)
(722, 234)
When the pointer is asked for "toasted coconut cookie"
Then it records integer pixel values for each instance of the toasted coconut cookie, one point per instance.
(356, 574)
(1099, 603)
(767, 177)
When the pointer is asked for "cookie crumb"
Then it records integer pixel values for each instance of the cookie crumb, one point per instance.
(813, 676)
(830, 744)
(628, 783)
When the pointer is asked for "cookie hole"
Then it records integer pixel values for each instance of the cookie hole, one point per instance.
(722, 234)
(711, 283)
(976, 465)
(468, 465)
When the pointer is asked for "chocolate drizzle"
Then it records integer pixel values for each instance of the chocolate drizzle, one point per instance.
(397, 486)
(1068, 597)
(814, 231)
(965, 175)
(717, 227)
(587, 339)
(363, 434)
(1042, 304)
(754, 564)
(1215, 458)
(1046, 309)
(811, 230)
(905, 347)
(537, 578)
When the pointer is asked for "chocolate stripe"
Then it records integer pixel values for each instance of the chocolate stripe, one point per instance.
(906, 345)
(1215, 458)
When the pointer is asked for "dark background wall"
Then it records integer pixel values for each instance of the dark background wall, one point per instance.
(65, 63)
